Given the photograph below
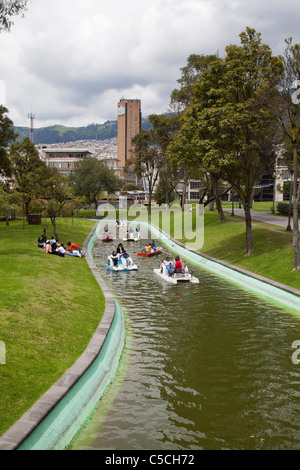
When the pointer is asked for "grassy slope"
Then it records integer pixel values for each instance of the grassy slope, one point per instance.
(272, 256)
(49, 309)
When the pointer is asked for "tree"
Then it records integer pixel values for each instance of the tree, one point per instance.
(190, 74)
(181, 99)
(56, 192)
(7, 135)
(25, 162)
(8, 9)
(146, 159)
(165, 129)
(286, 111)
(91, 178)
(164, 193)
(9, 201)
(227, 130)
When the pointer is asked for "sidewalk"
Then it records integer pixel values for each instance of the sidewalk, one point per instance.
(263, 217)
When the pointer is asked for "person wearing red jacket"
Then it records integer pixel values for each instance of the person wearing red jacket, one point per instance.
(73, 246)
(178, 265)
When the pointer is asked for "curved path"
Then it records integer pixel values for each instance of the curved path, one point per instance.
(263, 217)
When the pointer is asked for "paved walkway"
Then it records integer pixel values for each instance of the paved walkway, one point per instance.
(263, 217)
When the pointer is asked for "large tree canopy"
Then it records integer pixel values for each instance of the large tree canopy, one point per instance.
(93, 177)
(227, 130)
(146, 159)
(285, 108)
(8, 9)
(7, 135)
(26, 161)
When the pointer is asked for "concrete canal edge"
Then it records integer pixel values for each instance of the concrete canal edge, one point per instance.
(272, 291)
(53, 421)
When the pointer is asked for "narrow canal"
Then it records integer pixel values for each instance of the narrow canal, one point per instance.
(205, 366)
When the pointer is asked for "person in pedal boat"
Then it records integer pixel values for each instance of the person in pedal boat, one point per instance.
(168, 264)
(178, 265)
(115, 258)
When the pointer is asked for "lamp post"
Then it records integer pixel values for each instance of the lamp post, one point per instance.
(232, 202)
(7, 207)
(289, 228)
(274, 193)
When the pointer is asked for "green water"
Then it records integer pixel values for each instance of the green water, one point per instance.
(205, 366)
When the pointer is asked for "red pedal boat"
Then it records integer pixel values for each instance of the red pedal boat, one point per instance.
(153, 253)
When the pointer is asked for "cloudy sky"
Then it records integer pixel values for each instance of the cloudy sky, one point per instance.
(70, 61)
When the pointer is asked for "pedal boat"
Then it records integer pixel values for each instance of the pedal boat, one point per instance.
(132, 238)
(124, 264)
(107, 239)
(153, 253)
(184, 276)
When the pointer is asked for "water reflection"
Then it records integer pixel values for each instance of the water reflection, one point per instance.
(205, 366)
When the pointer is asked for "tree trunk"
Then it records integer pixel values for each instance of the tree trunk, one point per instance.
(211, 206)
(217, 199)
(249, 237)
(27, 210)
(53, 220)
(183, 197)
(296, 197)
(150, 190)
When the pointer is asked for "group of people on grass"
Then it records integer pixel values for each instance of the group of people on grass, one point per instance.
(53, 247)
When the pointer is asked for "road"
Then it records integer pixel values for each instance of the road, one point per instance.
(263, 217)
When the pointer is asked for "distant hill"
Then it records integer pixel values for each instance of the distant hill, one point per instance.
(58, 134)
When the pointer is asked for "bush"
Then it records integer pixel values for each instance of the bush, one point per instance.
(283, 208)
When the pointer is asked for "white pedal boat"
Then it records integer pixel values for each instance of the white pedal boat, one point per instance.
(176, 278)
(132, 238)
(124, 264)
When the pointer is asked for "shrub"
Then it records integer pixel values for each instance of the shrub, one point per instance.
(283, 208)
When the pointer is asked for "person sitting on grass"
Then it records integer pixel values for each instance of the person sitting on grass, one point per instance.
(62, 249)
(42, 241)
(75, 247)
(48, 248)
(54, 251)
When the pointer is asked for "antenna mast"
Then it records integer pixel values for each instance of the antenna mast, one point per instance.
(31, 117)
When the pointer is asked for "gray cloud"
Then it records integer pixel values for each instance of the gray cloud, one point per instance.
(70, 62)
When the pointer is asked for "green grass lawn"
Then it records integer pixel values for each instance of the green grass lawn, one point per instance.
(264, 206)
(273, 252)
(49, 309)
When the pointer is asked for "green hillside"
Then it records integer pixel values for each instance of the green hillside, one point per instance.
(58, 134)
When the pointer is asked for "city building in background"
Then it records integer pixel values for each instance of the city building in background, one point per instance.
(64, 159)
(129, 124)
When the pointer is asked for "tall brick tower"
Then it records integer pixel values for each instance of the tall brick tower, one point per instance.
(129, 124)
